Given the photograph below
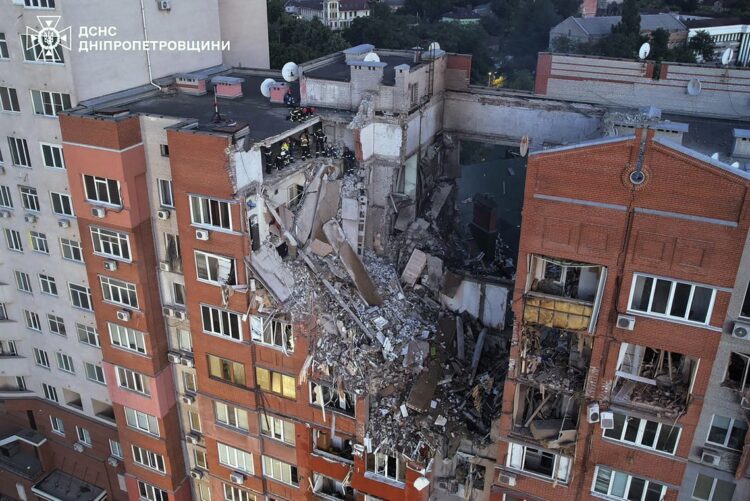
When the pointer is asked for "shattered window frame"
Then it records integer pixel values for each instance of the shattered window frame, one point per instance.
(275, 382)
(228, 324)
(273, 333)
(641, 433)
(208, 268)
(744, 380)
(625, 359)
(639, 295)
(229, 371)
(561, 464)
(380, 464)
(277, 429)
(605, 480)
(328, 394)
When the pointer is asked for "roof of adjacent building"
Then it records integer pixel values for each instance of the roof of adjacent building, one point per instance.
(602, 26)
(461, 13)
(338, 70)
(354, 4)
(714, 22)
(65, 487)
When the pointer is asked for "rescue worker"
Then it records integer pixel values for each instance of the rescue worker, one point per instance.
(349, 160)
(286, 153)
(304, 142)
(320, 140)
(268, 159)
(289, 99)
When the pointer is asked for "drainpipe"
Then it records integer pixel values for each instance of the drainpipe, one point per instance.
(148, 55)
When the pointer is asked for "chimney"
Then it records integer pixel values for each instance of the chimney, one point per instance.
(228, 87)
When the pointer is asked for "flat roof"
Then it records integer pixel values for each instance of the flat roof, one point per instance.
(61, 486)
(339, 70)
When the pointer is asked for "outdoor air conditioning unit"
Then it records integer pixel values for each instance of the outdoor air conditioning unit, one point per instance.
(173, 358)
(163, 215)
(188, 399)
(164, 4)
(63, 223)
(741, 330)
(196, 473)
(593, 413)
(505, 478)
(237, 478)
(99, 212)
(193, 438)
(188, 362)
(168, 312)
(710, 457)
(201, 234)
(113, 461)
(179, 314)
(165, 266)
(110, 265)
(626, 322)
(5, 213)
(78, 447)
(123, 315)
(607, 420)
(30, 218)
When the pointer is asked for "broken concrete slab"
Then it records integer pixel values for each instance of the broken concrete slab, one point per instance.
(434, 273)
(303, 223)
(420, 396)
(405, 217)
(439, 197)
(350, 219)
(327, 208)
(319, 248)
(271, 271)
(414, 267)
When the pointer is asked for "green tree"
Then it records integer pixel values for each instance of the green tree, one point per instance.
(630, 21)
(702, 45)
(292, 39)
(383, 29)
(659, 44)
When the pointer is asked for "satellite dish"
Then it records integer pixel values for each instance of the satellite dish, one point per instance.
(290, 72)
(265, 87)
(694, 87)
(421, 483)
(371, 57)
(715, 156)
(433, 47)
(524, 146)
(644, 51)
(736, 165)
(726, 56)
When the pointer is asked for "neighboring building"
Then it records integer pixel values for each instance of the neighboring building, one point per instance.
(591, 29)
(589, 7)
(461, 15)
(727, 33)
(336, 14)
(61, 422)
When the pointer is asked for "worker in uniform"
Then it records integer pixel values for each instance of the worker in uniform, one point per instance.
(320, 141)
(268, 159)
(349, 159)
(304, 142)
(286, 154)
(289, 99)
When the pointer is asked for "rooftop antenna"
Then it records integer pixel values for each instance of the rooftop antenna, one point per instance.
(715, 156)
(736, 165)
(372, 57)
(726, 56)
(524, 146)
(290, 72)
(644, 51)
(265, 87)
(217, 116)
(694, 87)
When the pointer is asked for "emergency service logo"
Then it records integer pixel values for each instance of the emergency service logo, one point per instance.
(46, 41)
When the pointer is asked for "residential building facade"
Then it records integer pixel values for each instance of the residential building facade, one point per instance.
(336, 14)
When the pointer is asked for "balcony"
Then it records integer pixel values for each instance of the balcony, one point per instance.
(332, 446)
(546, 417)
(555, 358)
(13, 387)
(330, 489)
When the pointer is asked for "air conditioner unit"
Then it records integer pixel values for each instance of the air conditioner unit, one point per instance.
(505, 478)
(173, 358)
(201, 234)
(188, 362)
(30, 218)
(63, 223)
(110, 265)
(163, 215)
(165, 266)
(123, 315)
(164, 5)
(626, 322)
(179, 314)
(113, 461)
(193, 438)
(711, 457)
(78, 447)
(607, 420)
(168, 312)
(188, 399)
(741, 330)
(5, 213)
(99, 212)
(196, 473)
(237, 478)
(593, 413)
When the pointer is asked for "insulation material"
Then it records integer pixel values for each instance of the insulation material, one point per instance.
(352, 263)
(561, 314)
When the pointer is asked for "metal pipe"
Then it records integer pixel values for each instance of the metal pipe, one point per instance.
(148, 55)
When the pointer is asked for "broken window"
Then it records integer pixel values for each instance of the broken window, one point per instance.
(546, 416)
(272, 332)
(325, 396)
(671, 299)
(331, 488)
(538, 462)
(727, 432)
(618, 485)
(557, 277)
(737, 376)
(386, 466)
(644, 433)
(555, 356)
(324, 441)
(294, 195)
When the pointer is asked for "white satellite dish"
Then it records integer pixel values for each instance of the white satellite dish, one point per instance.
(290, 72)
(433, 47)
(265, 87)
(736, 165)
(644, 51)
(421, 483)
(715, 156)
(694, 87)
(726, 56)
(371, 57)
(524, 146)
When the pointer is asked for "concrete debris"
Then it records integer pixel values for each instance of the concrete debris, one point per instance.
(439, 197)
(319, 248)
(268, 267)
(414, 267)
(352, 263)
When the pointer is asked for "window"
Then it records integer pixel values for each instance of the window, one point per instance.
(32, 321)
(110, 243)
(227, 370)
(132, 381)
(62, 204)
(95, 373)
(745, 312)
(3, 47)
(3, 312)
(145, 457)
(619, 485)
(39, 242)
(80, 297)
(206, 211)
(83, 436)
(19, 152)
(280, 471)
(119, 292)
(164, 149)
(49, 104)
(57, 425)
(151, 493)
(8, 95)
(727, 432)
(737, 376)
(323, 395)
(386, 466)
(165, 193)
(712, 489)
(115, 448)
(71, 250)
(188, 381)
(538, 462)
(184, 340)
(65, 362)
(33, 52)
(87, 335)
(671, 299)
(127, 338)
(13, 240)
(142, 421)
(199, 455)
(40, 4)
(178, 293)
(275, 382)
(52, 155)
(41, 358)
(47, 284)
(102, 190)
(232, 493)
(5, 199)
(172, 246)
(8, 349)
(50, 392)
(235, 458)
(277, 428)
(23, 282)
(274, 333)
(56, 325)
(195, 421)
(214, 269)
(229, 415)
(29, 198)
(221, 322)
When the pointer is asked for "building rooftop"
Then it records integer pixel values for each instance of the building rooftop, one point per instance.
(602, 26)
(65, 487)
(339, 70)
(713, 22)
